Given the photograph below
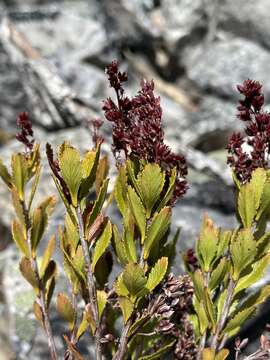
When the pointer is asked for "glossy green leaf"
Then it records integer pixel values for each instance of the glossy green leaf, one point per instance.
(137, 211)
(126, 306)
(19, 173)
(150, 183)
(102, 244)
(134, 279)
(243, 251)
(250, 196)
(157, 229)
(71, 170)
(157, 273)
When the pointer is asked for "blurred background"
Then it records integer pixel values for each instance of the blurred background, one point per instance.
(52, 60)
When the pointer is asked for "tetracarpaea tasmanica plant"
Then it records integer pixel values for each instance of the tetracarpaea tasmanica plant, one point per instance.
(144, 312)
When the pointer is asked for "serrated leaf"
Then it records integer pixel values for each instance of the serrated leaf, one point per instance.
(243, 251)
(198, 282)
(18, 207)
(134, 279)
(238, 320)
(5, 175)
(258, 270)
(137, 211)
(120, 190)
(218, 273)
(259, 297)
(82, 327)
(29, 273)
(71, 170)
(157, 229)
(129, 236)
(102, 172)
(102, 244)
(89, 169)
(34, 187)
(265, 200)
(19, 173)
(223, 241)
(168, 195)
(126, 306)
(150, 182)
(65, 309)
(207, 244)
(19, 237)
(250, 196)
(157, 273)
(119, 247)
(164, 349)
(120, 286)
(98, 204)
(71, 232)
(101, 300)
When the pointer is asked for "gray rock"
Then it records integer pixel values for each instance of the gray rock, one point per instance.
(228, 62)
(246, 18)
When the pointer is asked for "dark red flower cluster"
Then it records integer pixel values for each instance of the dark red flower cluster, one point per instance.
(257, 131)
(24, 123)
(137, 127)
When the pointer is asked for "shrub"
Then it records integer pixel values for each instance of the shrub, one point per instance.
(159, 313)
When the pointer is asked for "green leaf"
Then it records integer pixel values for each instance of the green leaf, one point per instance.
(129, 237)
(102, 172)
(101, 300)
(250, 196)
(201, 313)
(243, 251)
(120, 190)
(29, 273)
(65, 309)
(47, 255)
(102, 244)
(258, 270)
(82, 327)
(98, 203)
(198, 282)
(164, 349)
(5, 175)
(34, 187)
(168, 195)
(208, 354)
(119, 247)
(137, 211)
(19, 237)
(259, 297)
(18, 207)
(126, 306)
(223, 242)
(238, 320)
(265, 200)
(134, 279)
(71, 232)
(71, 170)
(218, 273)
(157, 273)
(19, 173)
(120, 286)
(222, 355)
(157, 229)
(89, 170)
(150, 183)
(207, 244)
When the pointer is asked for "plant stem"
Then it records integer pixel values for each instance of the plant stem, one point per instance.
(201, 346)
(224, 314)
(90, 284)
(41, 298)
(121, 352)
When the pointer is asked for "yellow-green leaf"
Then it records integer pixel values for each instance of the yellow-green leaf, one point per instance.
(120, 190)
(238, 320)
(157, 229)
(102, 244)
(101, 300)
(218, 274)
(222, 355)
(98, 204)
(29, 273)
(19, 237)
(134, 279)
(126, 306)
(82, 327)
(47, 255)
(5, 175)
(19, 173)
(137, 211)
(208, 354)
(120, 287)
(157, 273)
(150, 183)
(71, 170)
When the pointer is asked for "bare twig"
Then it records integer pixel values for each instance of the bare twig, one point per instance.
(123, 342)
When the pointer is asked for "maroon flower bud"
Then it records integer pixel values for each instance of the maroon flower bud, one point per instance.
(24, 123)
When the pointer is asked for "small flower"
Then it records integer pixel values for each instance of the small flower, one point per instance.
(137, 128)
(24, 123)
(257, 131)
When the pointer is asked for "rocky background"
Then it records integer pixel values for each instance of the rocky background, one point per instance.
(195, 50)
